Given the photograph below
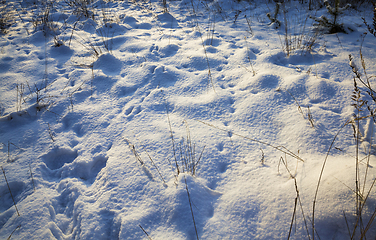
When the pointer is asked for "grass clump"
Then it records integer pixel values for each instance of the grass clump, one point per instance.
(42, 21)
(186, 155)
(80, 8)
(299, 38)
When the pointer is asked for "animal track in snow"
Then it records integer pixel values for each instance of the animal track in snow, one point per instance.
(137, 110)
(199, 63)
(4, 67)
(57, 157)
(88, 170)
(108, 64)
(123, 91)
(69, 192)
(268, 81)
(105, 224)
(220, 146)
(255, 50)
(211, 49)
(133, 109)
(169, 50)
(262, 82)
(222, 167)
(231, 101)
(321, 91)
(215, 42)
(168, 21)
(131, 21)
(129, 110)
(78, 129)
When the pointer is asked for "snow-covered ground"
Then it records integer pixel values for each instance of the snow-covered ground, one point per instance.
(196, 123)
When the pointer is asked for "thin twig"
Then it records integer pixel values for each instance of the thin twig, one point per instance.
(14, 202)
(279, 148)
(194, 170)
(347, 223)
(133, 149)
(297, 197)
(145, 232)
(190, 205)
(13, 231)
(171, 135)
(32, 179)
(320, 176)
(152, 162)
(262, 156)
(203, 45)
(368, 225)
(293, 215)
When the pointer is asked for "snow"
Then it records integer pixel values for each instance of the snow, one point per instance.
(96, 112)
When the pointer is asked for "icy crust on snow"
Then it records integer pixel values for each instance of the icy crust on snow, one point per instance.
(88, 152)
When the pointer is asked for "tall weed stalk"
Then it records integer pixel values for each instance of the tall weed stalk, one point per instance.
(364, 103)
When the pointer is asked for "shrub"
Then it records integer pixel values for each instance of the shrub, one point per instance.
(332, 26)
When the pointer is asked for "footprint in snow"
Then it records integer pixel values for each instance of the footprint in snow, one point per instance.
(129, 110)
(137, 110)
(254, 50)
(61, 54)
(63, 163)
(132, 111)
(109, 64)
(131, 21)
(211, 49)
(4, 67)
(214, 42)
(320, 91)
(58, 157)
(262, 82)
(268, 81)
(220, 146)
(222, 167)
(199, 63)
(111, 29)
(169, 50)
(104, 224)
(231, 101)
(168, 21)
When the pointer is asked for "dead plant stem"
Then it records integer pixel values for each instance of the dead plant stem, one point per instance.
(6, 180)
(279, 148)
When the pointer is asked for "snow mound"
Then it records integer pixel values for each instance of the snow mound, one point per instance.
(109, 64)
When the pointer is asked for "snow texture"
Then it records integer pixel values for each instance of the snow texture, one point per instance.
(119, 120)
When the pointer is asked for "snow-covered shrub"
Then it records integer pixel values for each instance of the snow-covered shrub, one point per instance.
(331, 26)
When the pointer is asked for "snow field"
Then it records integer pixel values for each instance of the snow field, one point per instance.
(134, 71)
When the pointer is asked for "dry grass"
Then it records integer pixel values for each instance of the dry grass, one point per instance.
(6, 180)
